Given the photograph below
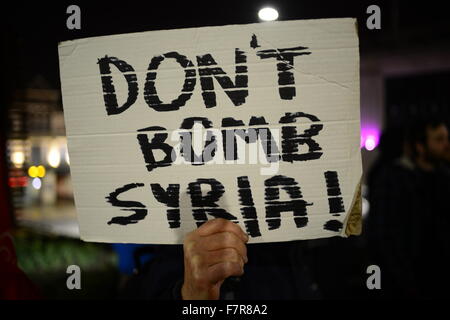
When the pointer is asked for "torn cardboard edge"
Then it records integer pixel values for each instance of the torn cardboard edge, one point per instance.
(353, 221)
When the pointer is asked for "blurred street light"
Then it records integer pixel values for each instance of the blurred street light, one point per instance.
(54, 156)
(268, 14)
(18, 158)
(37, 183)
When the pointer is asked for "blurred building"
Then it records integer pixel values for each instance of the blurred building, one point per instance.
(38, 162)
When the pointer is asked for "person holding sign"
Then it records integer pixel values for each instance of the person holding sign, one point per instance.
(239, 124)
(215, 262)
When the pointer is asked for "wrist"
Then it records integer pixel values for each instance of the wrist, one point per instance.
(189, 293)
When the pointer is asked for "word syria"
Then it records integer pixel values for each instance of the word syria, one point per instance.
(207, 204)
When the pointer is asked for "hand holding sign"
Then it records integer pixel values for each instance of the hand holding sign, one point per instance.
(212, 253)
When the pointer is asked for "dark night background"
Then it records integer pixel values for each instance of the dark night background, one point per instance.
(33, 30)
(405, 69)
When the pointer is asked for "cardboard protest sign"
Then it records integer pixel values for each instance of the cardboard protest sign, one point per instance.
(254, 123)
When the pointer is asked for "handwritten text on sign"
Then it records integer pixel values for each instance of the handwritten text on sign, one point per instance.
(210, 136)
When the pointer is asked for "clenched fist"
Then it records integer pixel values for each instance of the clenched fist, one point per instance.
(212, 253)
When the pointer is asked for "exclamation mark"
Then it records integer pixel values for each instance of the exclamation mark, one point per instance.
(335, 202)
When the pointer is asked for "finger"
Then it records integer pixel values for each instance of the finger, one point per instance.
(224, 255)
(221, 271)
(220, 225)
(224, 240)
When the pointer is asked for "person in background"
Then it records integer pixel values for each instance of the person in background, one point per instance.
(408, 219)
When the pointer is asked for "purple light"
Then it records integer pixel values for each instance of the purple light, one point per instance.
(370, 138)
(370, 143)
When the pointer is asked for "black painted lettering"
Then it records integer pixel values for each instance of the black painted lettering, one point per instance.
(251, 135)
(157, 143)
(237, 91)
(187, 150)
(248, 207)
(254, 42)
(291, 140)
(150, 94)
(285, 65)
(109, 91)
(206, 204)
(171, 198)
(335, 202)
(274, 206)
(140, 211)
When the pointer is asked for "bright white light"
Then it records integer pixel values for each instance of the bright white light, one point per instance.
(370, 143)
(37, 183)
(365, 207)
(67, 157)
(54, 157)
(268, 14)
(18, 158)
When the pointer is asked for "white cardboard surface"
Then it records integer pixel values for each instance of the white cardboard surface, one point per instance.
(105, 154)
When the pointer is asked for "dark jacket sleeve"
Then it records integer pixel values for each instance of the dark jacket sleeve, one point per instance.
(160, 279)
(274, 271)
